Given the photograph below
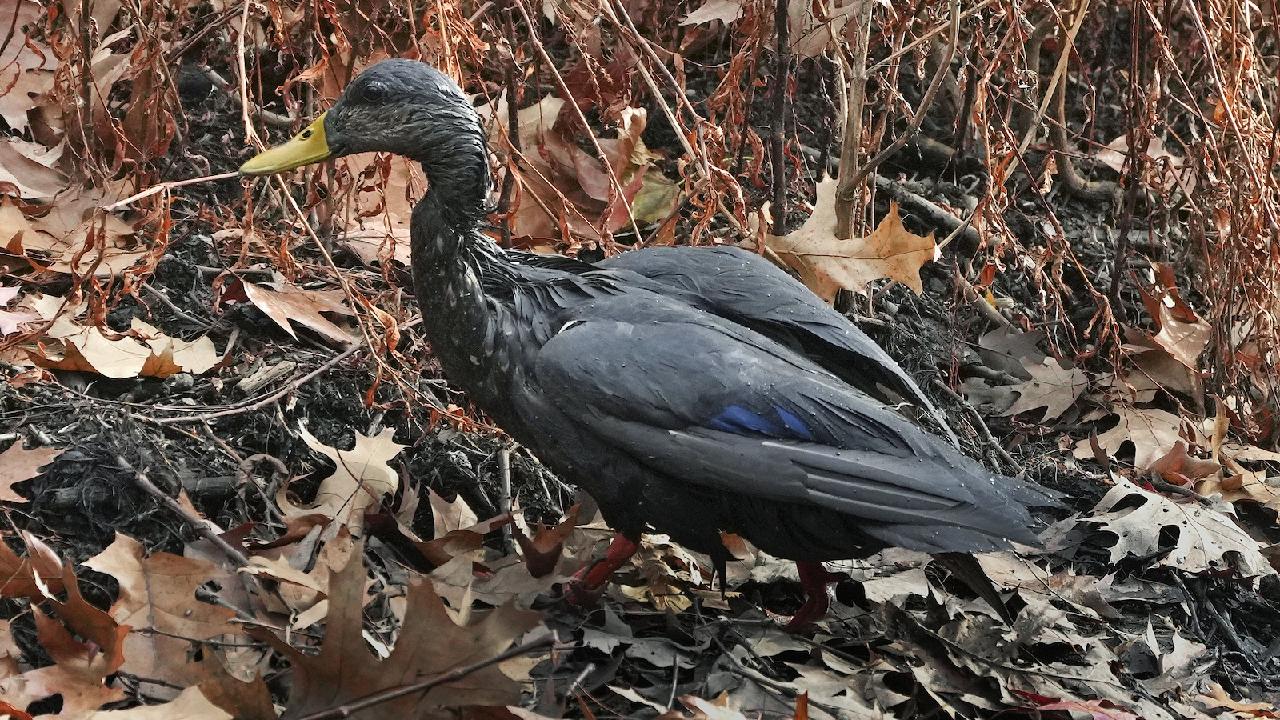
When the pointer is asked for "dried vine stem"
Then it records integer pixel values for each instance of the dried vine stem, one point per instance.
(778, 134)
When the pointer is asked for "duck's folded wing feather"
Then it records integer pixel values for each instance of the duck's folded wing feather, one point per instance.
(733, 412)
(746, 288)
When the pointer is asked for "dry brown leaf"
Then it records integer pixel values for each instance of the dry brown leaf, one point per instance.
(828, 264)
(430, 643)
(1153, 369)
(1218, 699)
(157, 593)
(283, 302)
(31, 575)
(243, 700)
(561, 186)
(449, 516)
(25, 172)
(1244, 486)
(66, 226)
(78, 674)
(361, 478)
(542, 551)
(190, 704)
(12, 320)
(1205, 535)
(145, 352)
(726, 11)
(1152, 432)
(18, 464)
(26, 64)
(1179, 468)
(86, 648)
(1185, 341)
(1051, 387)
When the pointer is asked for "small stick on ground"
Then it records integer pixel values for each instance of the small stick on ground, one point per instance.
(205, 528)
(166, 186)
(249, 407)
(504, 502)
(981, 426)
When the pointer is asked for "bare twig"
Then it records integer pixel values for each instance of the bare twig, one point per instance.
(347, 710)
(262, 402)
(847, 190)
(981, 426)
(166, 187)
(271, 118)
(778, 133)
(853, 99)
(203, 527)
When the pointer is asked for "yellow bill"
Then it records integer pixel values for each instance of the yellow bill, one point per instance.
(305, 148)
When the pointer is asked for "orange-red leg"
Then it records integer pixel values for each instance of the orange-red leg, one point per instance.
(813, 581)
(583, 588)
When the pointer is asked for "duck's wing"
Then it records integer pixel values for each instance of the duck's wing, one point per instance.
(747, 289)
(700, 400)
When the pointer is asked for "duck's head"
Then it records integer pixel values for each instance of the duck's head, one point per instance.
(404, 107)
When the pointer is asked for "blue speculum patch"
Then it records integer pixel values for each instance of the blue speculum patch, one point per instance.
(784, 424)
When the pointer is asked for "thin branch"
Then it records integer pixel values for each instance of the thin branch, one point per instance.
(205, 528)
(848, 191)
(778, 134)
(271, 118)
(249, 407)
(852, 100)
(165, 187)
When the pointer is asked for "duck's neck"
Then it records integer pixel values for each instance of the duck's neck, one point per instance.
(452, 264)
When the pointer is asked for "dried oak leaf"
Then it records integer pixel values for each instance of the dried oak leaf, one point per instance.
(1094, 709)
(430, 644)
(86, 647)
(1218, 699)
(26, 64)
(283, 302)
(1183, 334)
(360, 479)
(190, 704)
(726, 11)
(1179, 468)
(1204, 535)
(1152, 432)
(30, 576)
(1254, 486)
(143, 352)
(18, 464)
(828, 264)
(12, 320)
(244, 700)
(73, 233)
(1052, 387)
(158, 599)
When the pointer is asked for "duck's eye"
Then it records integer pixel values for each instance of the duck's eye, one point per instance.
(374, 92)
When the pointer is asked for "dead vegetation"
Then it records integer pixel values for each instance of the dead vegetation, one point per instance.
(1061, 218)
